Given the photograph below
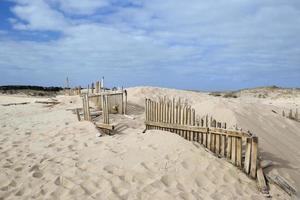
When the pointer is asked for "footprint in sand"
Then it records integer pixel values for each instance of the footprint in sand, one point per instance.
(7, 165)
(185, 165)
(71, 147)
(51, 145)
(30, 155)
(152, 147)
(34, 168)
(18, 169)
(37, 174)
(20, 192)
(168, 180)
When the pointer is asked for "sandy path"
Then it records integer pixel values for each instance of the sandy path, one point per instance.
(45, 153)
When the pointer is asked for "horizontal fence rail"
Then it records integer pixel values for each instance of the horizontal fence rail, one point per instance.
(238, 147)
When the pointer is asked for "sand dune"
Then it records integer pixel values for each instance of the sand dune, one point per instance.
(45, 153)
(279, 137)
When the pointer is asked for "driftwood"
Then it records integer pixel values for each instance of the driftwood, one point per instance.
(14, 104)
(283, 184)
(105, 126)
(47, 102)
(261, 180)
(94, 113)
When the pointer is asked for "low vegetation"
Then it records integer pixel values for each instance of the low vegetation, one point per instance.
(30, 90)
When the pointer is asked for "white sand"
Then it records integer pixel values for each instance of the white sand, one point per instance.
(279, 137)
(45, 153)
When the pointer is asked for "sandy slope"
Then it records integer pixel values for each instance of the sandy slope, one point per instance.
(279, 137)
(45, 153)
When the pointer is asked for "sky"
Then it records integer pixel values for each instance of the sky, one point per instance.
(190, 44)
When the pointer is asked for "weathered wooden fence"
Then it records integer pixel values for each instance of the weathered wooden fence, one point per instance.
(240, 148)
(116, 101)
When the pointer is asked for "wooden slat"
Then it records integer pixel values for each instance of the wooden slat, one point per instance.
(125, 102)
(207, 138)
(188, 122)
(181, 118)
(261, 180)
(254, 151)
(223, 146)
(178, 126)
(217, 144)
(228, 148)
(248, 155)
(239, 152)
(233, 150)
(84, 108)
(283, 184)
(212, 142)
(176, 119)
(146, 110)
(77, 113)
(193, 123)
(229, 132)
(105, 126)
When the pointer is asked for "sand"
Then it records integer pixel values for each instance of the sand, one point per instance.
(279, 137)
(45, 153)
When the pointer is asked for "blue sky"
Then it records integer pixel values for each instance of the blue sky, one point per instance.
(193, 44)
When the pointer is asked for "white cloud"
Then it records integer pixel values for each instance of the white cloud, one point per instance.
(223, 39)
(81, 7)
(38, 15)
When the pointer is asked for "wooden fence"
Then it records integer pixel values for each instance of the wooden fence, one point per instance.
(240, 148)
(116, 101)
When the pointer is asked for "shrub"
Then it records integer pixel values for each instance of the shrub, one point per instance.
(215, 94)
(230, 95)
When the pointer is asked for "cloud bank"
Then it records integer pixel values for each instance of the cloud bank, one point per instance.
(195, 44)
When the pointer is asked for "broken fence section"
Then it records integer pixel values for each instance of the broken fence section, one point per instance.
(240, 148)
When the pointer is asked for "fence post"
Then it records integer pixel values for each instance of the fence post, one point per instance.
(228, 149)
(233, 150)
(88, 108)
(254, 151)
(239, 152)
(248, 155)
(77, 113)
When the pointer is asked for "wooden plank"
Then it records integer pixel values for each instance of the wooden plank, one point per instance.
(44, 102)
(229, 132)
(212, 141)
(223, 146)
(188, 122)
(283, 184)
(105, 126)
(178, 126)
(172, 115)
(183, 121)
(248, 155)
(229, 146)
(239, 152)
(207, 138)
(125, 102)
(261, 180)
(217, 144)
(233, 150)
(201, 137)
(77, 113)
(84, 108)
(10, 104)
(254, 153)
